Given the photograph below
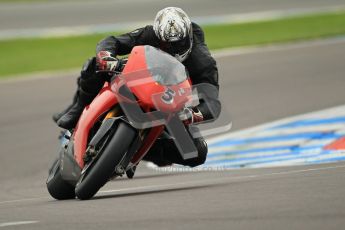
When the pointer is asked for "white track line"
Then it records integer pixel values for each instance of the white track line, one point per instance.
(205, 20)
(219, 180)
(193, 182)
(24, 200)
(228, 52)
(7, 224)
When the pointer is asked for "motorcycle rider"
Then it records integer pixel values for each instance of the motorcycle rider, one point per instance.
(174, 33)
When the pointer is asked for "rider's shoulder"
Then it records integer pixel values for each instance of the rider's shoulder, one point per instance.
(198, 32)
(146, 32)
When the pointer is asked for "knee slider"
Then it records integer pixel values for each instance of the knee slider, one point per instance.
(202, 149)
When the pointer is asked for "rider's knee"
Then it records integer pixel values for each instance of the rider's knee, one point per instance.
(202, 149)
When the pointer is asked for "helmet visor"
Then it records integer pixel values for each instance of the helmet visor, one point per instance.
(178, 47)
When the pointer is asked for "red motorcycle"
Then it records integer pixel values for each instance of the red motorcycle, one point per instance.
(142, 103)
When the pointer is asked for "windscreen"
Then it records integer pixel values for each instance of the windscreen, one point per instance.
(164, 68)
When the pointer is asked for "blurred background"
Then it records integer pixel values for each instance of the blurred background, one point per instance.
(276, 59)
(71, 29)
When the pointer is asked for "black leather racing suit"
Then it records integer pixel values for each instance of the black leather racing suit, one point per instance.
(202, 68)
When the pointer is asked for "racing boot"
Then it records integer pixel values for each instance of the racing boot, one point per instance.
(89, 84)
(57, 116)
(70, 119)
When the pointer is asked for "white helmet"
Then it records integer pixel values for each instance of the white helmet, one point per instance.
(174, 28)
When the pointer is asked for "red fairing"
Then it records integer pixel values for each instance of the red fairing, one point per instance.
(101, 104)
(141, 83)
(150, 94)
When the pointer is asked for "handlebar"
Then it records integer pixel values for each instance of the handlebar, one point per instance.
(117, 71)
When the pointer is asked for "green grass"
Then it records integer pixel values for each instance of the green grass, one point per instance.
(29, 55)
(292, 29)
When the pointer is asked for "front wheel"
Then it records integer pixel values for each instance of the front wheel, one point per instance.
(102, 167)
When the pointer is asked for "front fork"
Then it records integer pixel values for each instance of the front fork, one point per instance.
(138, 149)
(140, 146)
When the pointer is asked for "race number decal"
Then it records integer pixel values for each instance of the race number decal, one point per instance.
(168, 96)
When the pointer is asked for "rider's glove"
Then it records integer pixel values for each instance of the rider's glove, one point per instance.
(190, 116)
(106, 62)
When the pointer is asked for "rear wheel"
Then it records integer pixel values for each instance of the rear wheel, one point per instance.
(97, 173)
(57, 186)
